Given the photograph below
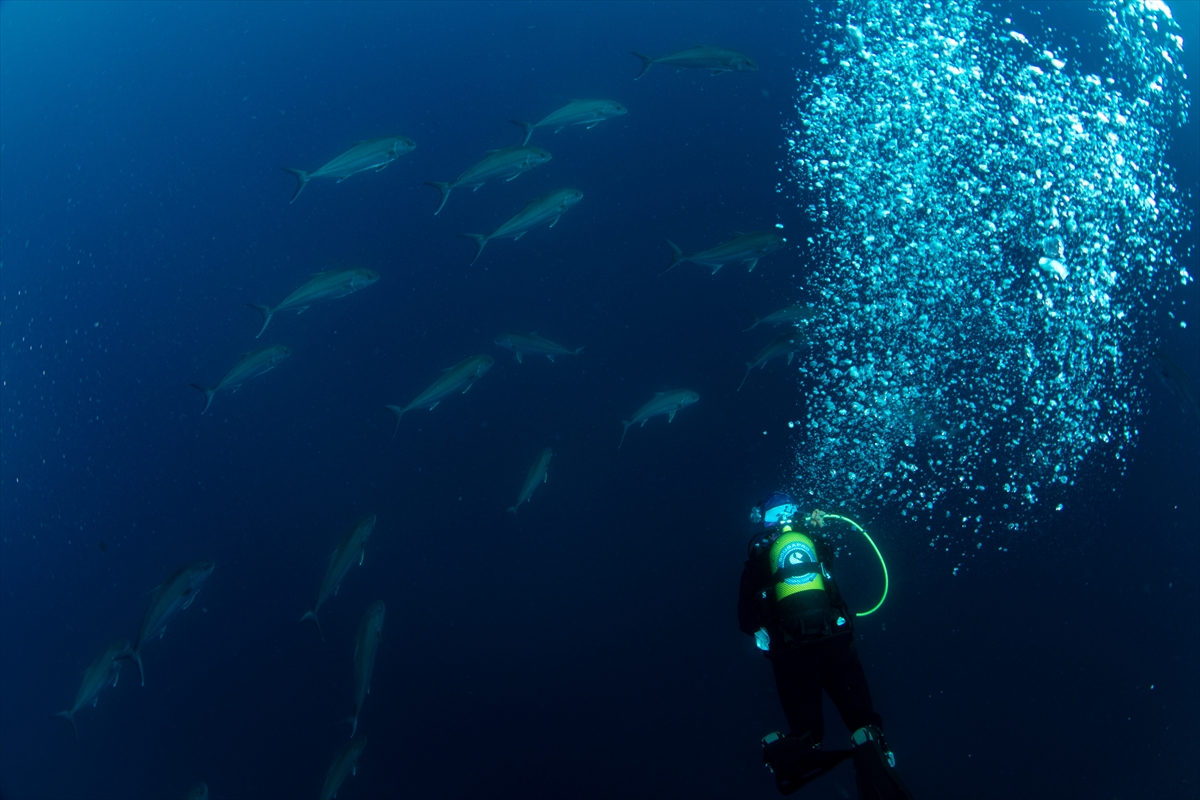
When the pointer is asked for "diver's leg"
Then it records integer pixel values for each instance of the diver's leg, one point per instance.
(798, 679)
(797, 758)
(843, 677)
(846, 683)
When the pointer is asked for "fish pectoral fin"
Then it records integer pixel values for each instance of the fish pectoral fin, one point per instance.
(301, 309)
(510, 177)
(188, 602)
(594, 124)
(382, 167)
(435, 405)
(335, 589)
(162, 632)
(556, 130)
(361, 556)
(469, 385)
(790, 357)
(95, 702)
(550, 357)
(518, 356)
(556, 219)
(475, 188)
(719, 71)
(545, 477)
(517, 238)
(671, 416)
(750, 263)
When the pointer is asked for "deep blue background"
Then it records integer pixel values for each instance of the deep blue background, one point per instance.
(589, 646)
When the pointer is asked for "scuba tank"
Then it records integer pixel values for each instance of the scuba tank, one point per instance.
(802, 588)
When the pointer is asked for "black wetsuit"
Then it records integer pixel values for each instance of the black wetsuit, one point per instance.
(821, 658)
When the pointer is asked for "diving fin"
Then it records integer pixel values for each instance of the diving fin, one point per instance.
(876, 777)
(796, 760)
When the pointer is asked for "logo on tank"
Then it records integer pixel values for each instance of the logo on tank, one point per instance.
(797, 553)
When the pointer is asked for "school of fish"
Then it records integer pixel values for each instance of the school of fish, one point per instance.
(178, 591)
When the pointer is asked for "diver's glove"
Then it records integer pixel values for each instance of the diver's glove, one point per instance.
(762, 639)
(875, 767)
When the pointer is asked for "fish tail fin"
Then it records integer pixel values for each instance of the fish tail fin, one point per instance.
(676, 257)
(749, 367)
(352, 721)
(312, 615)
(624, 431)
(646, 62)
(479, 239)
(267, 312)
(301, 180)
(525, 126)
(756, 319)
(137, 659)
(69, 717)
(399, 412)
(208, 395)
(444, 188)
(578, 350)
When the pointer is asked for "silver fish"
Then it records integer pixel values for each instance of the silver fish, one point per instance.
(172, 596)
(537, 474)
(576, 112)
(461, 376)
(701, 57)
(368, 154)
(662, 403)
(787, 345)
(547, 208)
(784, 316)
(323, 286)
(351, 551)
(366, 645)
(103, 672)
(251, 365)
(507, 163)
(344, 763)
(532, 344)
(745, 248)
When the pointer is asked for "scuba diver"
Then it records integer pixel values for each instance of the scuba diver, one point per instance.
(793, 609)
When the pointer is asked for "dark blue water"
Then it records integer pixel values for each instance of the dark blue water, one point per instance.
(587, 647)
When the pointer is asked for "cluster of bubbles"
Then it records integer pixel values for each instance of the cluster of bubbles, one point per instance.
(997, 228)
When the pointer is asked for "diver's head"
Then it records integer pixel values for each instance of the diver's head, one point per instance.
(778, 508)
(772, 513)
